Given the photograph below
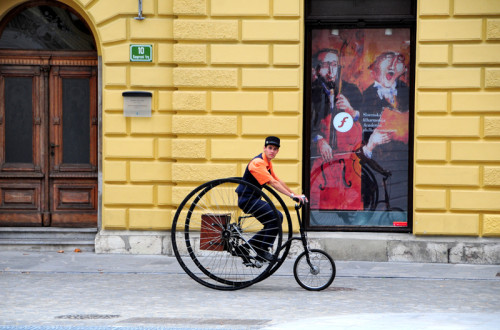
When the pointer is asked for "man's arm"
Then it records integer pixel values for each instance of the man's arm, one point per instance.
(281, 186)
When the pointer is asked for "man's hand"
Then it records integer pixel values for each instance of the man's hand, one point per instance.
(344, 105)
(325, 150)
(377, 138)
(302, 199)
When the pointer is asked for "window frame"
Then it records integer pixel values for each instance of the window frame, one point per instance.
(362, 22)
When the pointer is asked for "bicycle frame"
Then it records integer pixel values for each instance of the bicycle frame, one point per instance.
(302, 238)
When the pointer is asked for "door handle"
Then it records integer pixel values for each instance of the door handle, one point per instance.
(52, 145)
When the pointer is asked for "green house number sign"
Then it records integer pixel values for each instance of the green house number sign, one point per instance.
(141, 53)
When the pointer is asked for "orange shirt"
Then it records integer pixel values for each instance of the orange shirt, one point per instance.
(262, 169)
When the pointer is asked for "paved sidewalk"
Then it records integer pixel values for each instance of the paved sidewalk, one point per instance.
(103, 291)
(86, 262)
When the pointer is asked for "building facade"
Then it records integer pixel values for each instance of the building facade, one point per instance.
(222, 76)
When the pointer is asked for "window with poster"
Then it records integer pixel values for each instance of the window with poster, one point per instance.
(359, 114)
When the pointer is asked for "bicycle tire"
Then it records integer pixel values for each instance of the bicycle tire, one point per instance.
(208, 230)
(318, 278)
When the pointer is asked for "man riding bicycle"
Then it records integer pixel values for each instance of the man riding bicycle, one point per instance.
(259, 172)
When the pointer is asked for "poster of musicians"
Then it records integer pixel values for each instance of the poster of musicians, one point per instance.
(359, 115)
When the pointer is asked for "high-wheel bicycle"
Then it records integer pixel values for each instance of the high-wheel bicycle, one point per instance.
(211, 234)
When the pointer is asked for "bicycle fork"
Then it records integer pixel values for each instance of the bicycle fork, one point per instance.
(303, 238)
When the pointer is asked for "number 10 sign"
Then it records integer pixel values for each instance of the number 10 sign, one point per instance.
(141, 53)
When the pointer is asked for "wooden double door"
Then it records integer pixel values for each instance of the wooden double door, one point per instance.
(48, 139)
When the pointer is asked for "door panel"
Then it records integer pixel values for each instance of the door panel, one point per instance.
(73, 152)
(76, 121)
(48, 141)
(20, 118)
(73, 129)
(74, 203)
(23, 196)
(21, 168)
(20, 203)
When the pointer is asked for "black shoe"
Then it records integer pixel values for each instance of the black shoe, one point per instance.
(242, 252)
(265, 256)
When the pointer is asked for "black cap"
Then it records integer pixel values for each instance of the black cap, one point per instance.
(275, 141)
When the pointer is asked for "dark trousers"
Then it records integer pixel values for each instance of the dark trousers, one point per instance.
(263, 212)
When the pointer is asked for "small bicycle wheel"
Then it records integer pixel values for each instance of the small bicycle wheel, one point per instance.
(211, 234)
(314, 274)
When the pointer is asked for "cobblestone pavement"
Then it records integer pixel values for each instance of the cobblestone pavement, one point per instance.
(85, 290)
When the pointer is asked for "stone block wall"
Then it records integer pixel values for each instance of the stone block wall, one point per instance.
(137, 158)
(457, 118)
(225, 74)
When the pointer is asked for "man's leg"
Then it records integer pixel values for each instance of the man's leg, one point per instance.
(263, 212)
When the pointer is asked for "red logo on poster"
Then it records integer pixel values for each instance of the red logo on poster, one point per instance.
(343, 122)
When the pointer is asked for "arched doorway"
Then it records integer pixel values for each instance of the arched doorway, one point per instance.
(48, 118)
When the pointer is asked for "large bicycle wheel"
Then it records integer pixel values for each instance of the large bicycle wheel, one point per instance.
(317, 273)
(211, 235)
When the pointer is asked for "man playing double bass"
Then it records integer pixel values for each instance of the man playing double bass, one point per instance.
(336, 134)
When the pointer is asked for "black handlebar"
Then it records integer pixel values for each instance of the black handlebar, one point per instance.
(298, 204)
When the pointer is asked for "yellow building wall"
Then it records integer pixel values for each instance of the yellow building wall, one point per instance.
(136, 152)
(457, 118)
(225, 75)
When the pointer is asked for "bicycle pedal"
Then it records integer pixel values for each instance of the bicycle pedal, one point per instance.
(254, 264)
